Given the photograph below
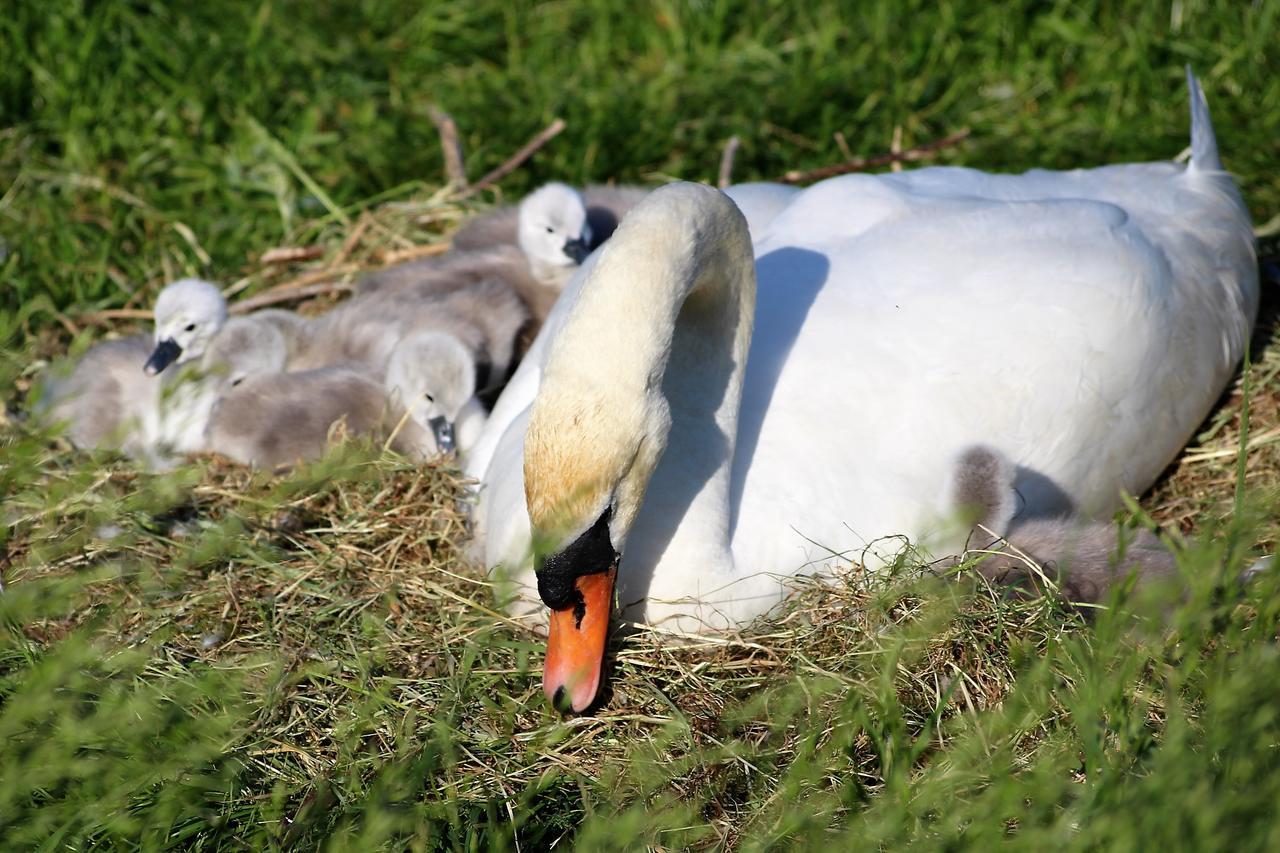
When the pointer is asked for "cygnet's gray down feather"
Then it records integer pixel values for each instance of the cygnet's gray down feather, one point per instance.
(275, 419)
(106, 400)
(473, 300)
(458, 271)
(1086, 559)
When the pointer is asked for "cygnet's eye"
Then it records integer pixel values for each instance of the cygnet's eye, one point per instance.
(236, 381)
(430, 399)
(191, 327)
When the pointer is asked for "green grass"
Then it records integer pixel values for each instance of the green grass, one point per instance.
(210, 659)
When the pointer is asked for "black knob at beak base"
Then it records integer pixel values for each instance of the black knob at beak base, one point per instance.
(165, 354)
(576, 250)
(443, 432)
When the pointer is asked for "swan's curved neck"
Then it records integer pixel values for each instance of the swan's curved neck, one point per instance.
(652, 354)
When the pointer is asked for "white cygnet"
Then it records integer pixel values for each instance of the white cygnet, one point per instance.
(433, 376)
(189, 312)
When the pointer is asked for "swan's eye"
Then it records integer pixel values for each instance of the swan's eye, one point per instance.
(430, 399)
(550, 230)
(191, 327)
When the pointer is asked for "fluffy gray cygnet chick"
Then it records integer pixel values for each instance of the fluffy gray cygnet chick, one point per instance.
(104, 399)
(271, 420)
(534, 249)
(485, 316)
(244, 346)
(1085, 559)
(433, 377)
(556, 226)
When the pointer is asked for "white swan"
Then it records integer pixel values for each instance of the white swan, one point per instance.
(761, 203)
(1096, 315)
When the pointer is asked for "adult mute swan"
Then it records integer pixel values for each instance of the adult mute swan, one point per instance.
(1082, 323)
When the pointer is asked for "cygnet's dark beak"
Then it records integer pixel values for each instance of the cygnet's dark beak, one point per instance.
(165, 354)
(577, 249)
(443, 431)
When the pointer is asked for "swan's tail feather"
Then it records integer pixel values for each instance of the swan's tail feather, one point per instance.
(1204, 144)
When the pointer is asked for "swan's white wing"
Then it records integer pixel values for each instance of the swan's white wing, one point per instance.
(761, 203)
(893, 328)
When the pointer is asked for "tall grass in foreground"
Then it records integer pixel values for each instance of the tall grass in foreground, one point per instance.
(212, 659)
(216, 658)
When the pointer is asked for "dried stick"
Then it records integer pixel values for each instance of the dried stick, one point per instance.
(353, 239)
(98, 318)
(454, 169)
(65, 322)
(726, 162)
(276, 295)
(399, 255)
(312, 277)
(919, 152)
(843, 145)
(289, 254)
(542, 138)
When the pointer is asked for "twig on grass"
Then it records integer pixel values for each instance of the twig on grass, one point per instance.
(290, 254)
(276, 295)
(455, 170)
(65, 322)
(400, 255)
(98, 318)
(726, 162)
(311, 277)
(540, 139)
(353, 239)
(843, 145)
(918, 152)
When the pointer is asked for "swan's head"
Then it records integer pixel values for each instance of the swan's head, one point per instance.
(245, 346)
(433, 376)
(552, 227)
(601, 420)
(189, 312)
(587, 467)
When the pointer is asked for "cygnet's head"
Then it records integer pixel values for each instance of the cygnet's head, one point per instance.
(553, 230)
(433, 376)
(981, 489)
(245, 346)
(189, 313)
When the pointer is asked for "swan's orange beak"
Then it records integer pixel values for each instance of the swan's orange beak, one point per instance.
(575, 645)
